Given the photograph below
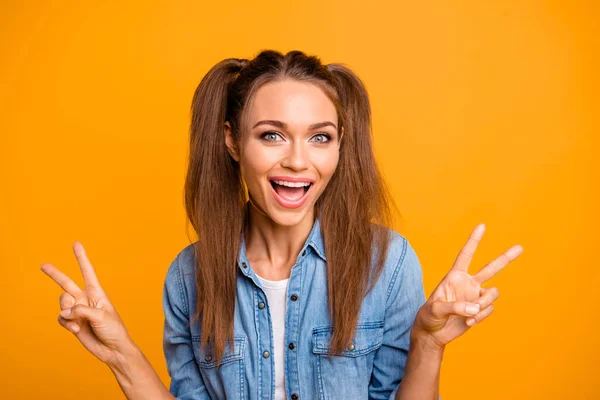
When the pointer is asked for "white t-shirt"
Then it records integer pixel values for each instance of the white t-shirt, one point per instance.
(276, 292)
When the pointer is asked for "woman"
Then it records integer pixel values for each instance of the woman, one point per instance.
(295, 289)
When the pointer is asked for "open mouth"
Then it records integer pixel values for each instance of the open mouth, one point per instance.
(293, 191)
(291, 195)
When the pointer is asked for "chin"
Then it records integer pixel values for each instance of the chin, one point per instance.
(288, 217)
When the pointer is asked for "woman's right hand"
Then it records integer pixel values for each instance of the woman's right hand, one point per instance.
(89, 314)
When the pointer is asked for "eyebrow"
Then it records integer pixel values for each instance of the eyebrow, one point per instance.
(283, 125)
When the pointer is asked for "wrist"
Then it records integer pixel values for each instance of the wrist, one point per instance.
(136, 377)
(125, 358)
(423, 342)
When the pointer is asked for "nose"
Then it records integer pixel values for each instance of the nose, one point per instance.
(296, 157)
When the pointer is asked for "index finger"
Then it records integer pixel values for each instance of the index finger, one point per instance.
(466, 254)
(89, 275)
(63, 281)
(496, 266)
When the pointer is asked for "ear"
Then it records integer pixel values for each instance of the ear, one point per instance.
(230, 142)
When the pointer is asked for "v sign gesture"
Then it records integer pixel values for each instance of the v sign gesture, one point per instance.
(88, 313)
(459, 301)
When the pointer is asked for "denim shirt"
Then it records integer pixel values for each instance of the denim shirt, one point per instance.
(370, 367)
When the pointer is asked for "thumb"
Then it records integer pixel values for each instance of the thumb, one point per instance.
(82, 311)
(443, 309)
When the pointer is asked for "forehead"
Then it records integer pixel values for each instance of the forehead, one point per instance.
(293, 102)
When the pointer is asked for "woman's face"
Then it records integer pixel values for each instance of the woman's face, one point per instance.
(290, 151)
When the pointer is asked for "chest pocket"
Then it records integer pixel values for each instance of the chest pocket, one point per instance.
(348, 374)
(225, 378)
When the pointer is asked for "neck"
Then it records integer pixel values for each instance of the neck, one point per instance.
(272, 249)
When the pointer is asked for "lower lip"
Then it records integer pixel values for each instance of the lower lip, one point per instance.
(291, 204)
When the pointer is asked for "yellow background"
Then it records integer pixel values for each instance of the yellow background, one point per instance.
(484, 111)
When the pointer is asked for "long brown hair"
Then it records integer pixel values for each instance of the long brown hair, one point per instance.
(354, 209)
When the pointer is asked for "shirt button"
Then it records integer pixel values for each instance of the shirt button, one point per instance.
(351, 347)
(208, 358)
(291, 346)
(294, 297)
(294, 396)
(261, 305)
(244, 265)
(304, 253)
(266, 354)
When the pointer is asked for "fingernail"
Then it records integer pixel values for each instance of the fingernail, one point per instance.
(65, 313)
(519, 249)
(74, 329)
(472, 309)
(471, 321)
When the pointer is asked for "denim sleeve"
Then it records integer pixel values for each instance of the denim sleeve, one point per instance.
(405, 295)
(186, 381)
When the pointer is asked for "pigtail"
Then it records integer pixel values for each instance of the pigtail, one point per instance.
(214, 202)
(356, 196)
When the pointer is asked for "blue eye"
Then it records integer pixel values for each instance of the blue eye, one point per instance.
(324, 137)
(270, 136)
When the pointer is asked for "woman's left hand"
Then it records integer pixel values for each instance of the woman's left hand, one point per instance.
(458, 301)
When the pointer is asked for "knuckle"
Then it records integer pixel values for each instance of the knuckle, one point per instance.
(76, 309)
(437, 309)
(66, 300)
(432, 306)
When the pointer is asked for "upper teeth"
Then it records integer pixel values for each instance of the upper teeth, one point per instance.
(292, 184)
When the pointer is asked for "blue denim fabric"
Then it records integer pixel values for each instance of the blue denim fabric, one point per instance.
(372, 368)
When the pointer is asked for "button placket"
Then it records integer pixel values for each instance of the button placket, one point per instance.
(292, 323)
(264, 340)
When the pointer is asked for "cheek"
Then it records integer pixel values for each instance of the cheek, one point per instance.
(260, 158)
(326, 163)
(256, 163)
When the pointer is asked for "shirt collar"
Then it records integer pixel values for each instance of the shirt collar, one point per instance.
(314, 240)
